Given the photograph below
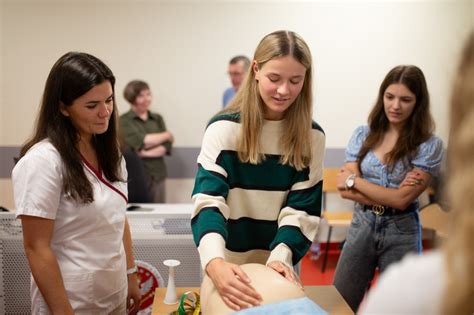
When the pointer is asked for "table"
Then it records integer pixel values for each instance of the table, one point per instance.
(326, 296)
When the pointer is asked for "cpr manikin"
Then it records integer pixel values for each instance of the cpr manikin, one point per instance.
(272, 286)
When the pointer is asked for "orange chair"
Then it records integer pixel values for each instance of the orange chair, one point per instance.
(334, 218)
(432, 217)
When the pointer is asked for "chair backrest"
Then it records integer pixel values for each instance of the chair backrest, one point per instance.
(329, 179)
(434, 218)
(137, 178)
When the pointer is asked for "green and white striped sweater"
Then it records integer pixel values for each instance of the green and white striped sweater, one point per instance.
(254, 213)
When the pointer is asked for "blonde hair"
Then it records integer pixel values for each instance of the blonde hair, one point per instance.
(296, 147)
(459, 292)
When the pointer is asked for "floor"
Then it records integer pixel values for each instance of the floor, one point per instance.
(311, 273)
(311, 266)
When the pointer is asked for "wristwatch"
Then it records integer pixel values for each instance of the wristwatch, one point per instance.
(350, 181)
(132, 270)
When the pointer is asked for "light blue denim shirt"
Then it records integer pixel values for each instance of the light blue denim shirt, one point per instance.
(428, 158)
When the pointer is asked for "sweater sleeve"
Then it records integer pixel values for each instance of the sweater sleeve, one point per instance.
(299, 219)
(211, 212)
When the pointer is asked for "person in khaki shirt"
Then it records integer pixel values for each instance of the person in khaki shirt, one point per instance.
(145, 133)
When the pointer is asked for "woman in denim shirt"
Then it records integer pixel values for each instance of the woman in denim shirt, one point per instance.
(389, 163)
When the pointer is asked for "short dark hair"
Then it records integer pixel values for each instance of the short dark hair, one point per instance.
(239, 58)
(134, 88)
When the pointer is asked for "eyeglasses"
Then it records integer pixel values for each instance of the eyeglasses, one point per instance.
(235, 74)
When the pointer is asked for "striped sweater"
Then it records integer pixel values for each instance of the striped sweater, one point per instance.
(254, 213)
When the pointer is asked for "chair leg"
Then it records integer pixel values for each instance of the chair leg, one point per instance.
(326, 250)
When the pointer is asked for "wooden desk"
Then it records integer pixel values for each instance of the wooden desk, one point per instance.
(326, 296)
(434, 218)
(159, 308)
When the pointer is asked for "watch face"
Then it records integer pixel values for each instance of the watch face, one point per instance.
(350, 183)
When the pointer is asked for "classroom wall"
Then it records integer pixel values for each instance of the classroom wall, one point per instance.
(2, 107)
(182, 49)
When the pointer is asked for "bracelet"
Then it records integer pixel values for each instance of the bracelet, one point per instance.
(132, 270)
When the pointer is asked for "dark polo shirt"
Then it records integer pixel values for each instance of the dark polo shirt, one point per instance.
(133, 130)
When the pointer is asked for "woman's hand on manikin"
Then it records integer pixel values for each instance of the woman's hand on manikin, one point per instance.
(286, 272)
(232, 284)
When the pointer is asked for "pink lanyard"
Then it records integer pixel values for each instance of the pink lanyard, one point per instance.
(98, 174)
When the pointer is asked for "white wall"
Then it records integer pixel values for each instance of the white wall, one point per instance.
(2, 107)
(182, 48)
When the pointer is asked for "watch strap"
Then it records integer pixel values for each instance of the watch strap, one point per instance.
(132, 270)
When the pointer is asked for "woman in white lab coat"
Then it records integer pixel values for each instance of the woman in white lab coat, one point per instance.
(70, 193)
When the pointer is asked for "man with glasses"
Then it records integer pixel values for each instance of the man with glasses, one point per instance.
(238, 67)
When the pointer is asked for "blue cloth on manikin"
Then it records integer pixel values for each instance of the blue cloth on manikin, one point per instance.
(299, 306)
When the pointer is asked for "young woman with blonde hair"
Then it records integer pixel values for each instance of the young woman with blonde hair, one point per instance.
(257, 191)
(441, 281)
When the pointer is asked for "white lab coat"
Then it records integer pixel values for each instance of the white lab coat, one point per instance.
(87, 238)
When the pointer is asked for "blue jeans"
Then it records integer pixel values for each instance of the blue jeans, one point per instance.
(374, 242)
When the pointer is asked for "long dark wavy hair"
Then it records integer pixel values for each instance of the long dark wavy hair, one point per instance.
(73, 75)
(417, 129)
